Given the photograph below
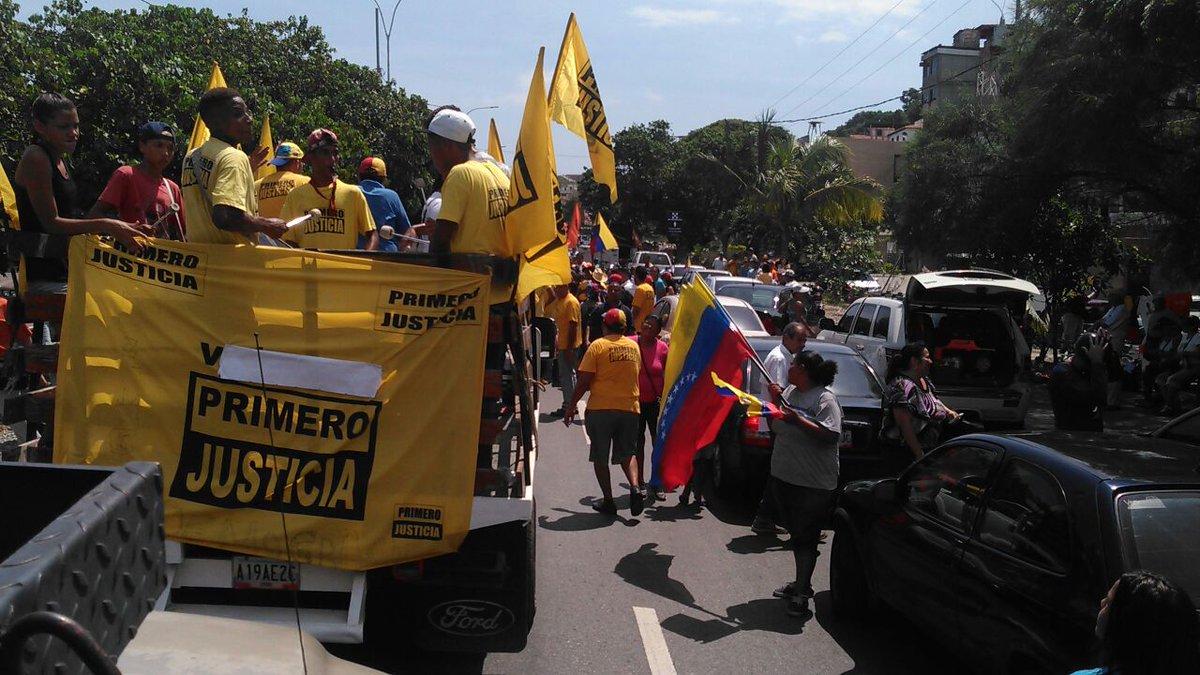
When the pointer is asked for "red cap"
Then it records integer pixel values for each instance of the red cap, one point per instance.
(616, 279)
(665, 275)
(615, 318)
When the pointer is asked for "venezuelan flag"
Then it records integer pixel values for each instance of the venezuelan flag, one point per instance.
(755, 406)
(703, 341)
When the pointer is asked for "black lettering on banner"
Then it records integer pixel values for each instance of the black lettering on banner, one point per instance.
(415, 521)
(153, 265)
(621, 353)
(412, 312)
(523, 181)
(594, 120)
(211, 355)
(318, 464)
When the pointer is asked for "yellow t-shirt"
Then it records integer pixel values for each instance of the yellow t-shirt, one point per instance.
(336, 228)
(475, 196)
(643, 304)
(273, 190)
(615, 360)
(225, 172)
(566, 312)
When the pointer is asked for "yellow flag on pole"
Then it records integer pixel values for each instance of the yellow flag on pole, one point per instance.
(535, 223)
(264, 141)
(494, 148)
(606, 235)
(200, 133)
(575, 103)
(8, 198)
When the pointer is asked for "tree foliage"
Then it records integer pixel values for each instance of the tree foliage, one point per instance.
(124, 67)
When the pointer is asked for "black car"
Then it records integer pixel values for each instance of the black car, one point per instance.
(743, 447)
(1001, 547)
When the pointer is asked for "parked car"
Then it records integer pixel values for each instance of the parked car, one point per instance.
(687, 274)
(763, 298)
(980, 359)
(717, 283)
(742, 314)
(1001, 547)
(744, 444)
(863, 284)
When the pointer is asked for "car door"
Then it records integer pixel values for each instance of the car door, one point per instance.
(860, 330)
(913, 551)
(874, 343)
(1015, 584)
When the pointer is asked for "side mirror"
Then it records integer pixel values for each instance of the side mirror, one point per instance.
(885, 491)
(826, 324)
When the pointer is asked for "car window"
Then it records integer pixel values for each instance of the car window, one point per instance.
(760, 297)
(745, 318)
(862, 324)
(947, 485)
(1026, 516)
(853, 377)
(848, 318)
(882, 318)
(1160, 532)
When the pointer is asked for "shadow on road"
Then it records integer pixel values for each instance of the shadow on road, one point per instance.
(650, 570)
(576, 521)
(756, 543)
(669, 513)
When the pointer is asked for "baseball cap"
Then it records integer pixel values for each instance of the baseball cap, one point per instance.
(321, 138)
(286, 152)
(152, 130)
(372, 166)
(615, 318)
(453, 125)
(616, 279)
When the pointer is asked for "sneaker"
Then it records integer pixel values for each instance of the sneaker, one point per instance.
(785, 591)
(761, 526)
(607, 507)
(637, 501)
(797, 606)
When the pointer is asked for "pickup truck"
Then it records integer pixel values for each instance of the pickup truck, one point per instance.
(478, 598)
(657, 258)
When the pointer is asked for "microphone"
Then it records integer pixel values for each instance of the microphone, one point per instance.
(304, 218)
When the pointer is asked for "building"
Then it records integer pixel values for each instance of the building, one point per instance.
(960, 71)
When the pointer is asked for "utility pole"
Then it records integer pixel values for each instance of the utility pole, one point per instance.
(378, 69)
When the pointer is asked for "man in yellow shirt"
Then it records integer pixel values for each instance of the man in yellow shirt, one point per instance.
(218, 184)
(344, 213)
(643, 295)
(566, 313)
(609, 370)
(273, 190)
(474, 196)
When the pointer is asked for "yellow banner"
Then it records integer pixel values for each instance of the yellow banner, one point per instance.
(337, 431)
(575, 103)
(535, 222)
(9, 199)
(494, 147)
(264, 141)
(200, 134)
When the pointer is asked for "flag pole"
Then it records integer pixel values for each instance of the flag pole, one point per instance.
(558, 63)
(753, 355)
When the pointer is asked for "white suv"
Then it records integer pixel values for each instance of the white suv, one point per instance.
(965, 317)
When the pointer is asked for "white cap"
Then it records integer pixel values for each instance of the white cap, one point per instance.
(453, 125)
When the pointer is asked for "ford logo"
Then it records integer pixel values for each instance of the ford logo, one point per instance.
(471, 618)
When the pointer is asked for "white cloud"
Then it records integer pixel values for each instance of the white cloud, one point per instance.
(832, 36)
(658, 18)
(849, 12)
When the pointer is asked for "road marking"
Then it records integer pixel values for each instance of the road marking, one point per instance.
(653, 642)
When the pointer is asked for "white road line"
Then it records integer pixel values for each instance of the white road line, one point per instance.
(653, 641)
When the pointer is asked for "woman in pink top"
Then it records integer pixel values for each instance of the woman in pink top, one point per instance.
(650, 386)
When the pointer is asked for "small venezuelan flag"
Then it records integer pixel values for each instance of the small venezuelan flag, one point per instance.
(755, 406)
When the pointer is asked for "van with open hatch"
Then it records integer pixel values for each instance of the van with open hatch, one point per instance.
(967, 318)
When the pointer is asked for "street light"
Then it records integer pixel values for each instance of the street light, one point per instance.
(482, 107)
(387, 34)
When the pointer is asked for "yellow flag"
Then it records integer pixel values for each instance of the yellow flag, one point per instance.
(606, 235)
(535, 223)
(200, 133)
(264, 141)
(494, 148)
(322, 432)
(575, 103)
(8, 198)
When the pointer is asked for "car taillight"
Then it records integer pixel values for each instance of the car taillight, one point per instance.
(755, 432)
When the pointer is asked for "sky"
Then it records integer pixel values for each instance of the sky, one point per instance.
(689, 62)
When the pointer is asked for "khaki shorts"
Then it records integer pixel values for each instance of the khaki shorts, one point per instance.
(611, 429)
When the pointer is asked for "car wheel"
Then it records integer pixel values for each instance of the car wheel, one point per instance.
(723, 475)
(847, 581)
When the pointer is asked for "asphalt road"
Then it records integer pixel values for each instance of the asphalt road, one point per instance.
(705, 577)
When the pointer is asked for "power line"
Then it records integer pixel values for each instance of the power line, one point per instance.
(864, 58)
(835, 56)
(898, 55)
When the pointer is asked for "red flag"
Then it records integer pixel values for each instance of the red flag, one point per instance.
(573, 229)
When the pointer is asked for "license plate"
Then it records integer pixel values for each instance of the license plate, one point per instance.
(847, 439)
(263, 573)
